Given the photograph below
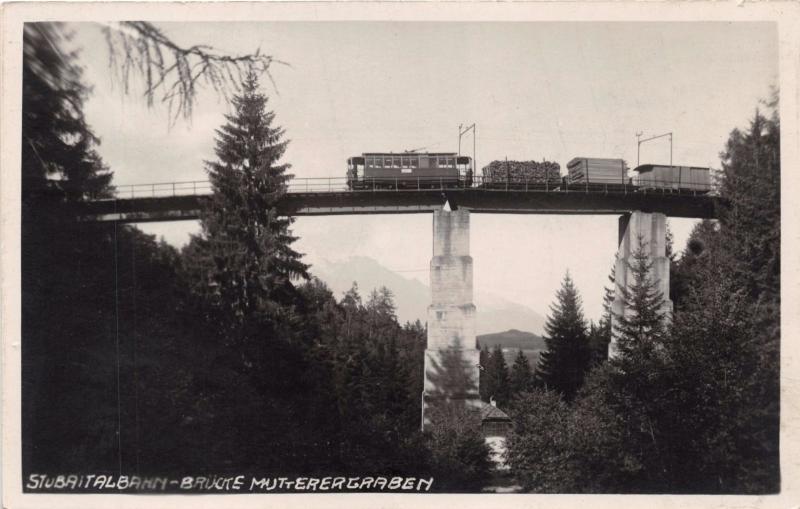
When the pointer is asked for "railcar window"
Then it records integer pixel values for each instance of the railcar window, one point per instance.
(414, 162)
(387, 162)
(379, 162)
(404, 162)
(396, 162)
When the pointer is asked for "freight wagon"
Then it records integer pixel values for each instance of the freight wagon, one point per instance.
(592, 172)
(675, 178)
(527, 175)
(409, 170)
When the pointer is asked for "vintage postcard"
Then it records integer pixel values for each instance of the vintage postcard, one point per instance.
(399, 254)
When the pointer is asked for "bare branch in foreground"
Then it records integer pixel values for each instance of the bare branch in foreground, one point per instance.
(172, 73)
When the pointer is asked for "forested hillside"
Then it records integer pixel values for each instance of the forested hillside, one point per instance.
(516, 339)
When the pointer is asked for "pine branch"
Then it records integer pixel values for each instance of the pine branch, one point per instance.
(144, 48)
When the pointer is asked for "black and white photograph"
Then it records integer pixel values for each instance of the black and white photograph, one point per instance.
(273, 254)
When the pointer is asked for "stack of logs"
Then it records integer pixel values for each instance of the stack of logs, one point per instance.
(521, 172)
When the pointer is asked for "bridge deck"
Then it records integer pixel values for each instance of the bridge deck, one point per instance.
(404, 201)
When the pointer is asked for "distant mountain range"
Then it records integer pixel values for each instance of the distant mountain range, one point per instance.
(411, 297)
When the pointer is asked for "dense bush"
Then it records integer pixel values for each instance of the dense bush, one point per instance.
(459, 455)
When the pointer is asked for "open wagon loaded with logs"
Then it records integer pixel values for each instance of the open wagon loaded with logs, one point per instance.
(521, 175)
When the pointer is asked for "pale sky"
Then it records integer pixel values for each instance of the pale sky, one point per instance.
(535, 90)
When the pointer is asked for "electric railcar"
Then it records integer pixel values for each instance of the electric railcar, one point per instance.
(409, 170)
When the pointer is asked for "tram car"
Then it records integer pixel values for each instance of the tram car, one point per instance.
(409, 170)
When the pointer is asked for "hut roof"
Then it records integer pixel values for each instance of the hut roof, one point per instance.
(490, 412)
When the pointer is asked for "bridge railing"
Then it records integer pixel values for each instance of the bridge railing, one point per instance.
(163, 189)
(404, 184)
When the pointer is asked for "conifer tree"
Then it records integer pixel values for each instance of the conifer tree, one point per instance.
(244, 253)
(58, 146)
(243, 271)
(608, 298)
(498, 374)
(521, 375)
(598, 343)
(562, 366)
(486, 386)
(669, 243)
(728, 325)
(751, 218)
(600, 334)
(641, 327)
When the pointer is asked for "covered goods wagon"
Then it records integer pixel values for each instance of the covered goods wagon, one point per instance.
(654, 176)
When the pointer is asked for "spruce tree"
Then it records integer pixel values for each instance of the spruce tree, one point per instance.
(243, 271)
(598, 343)
(486, 386)
(669, 243)
(521, 375)
(562, 366)
(498, 374)
(608, 298)
(641, 327)
(59, 155)
(244, 254)
(600, 334)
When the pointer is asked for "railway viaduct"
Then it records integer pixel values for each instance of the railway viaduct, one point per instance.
(451, 359)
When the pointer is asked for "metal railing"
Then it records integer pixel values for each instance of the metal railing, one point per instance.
(405, 184)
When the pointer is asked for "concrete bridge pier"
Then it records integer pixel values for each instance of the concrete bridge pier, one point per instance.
(451, 357)
(651, 229)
